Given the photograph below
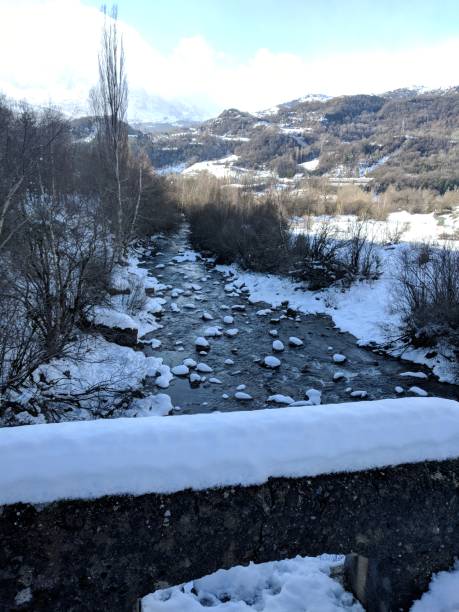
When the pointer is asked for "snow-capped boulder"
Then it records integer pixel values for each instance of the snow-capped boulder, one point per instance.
(264, 312)
(271, 362)
(242, 396)
(418, 391)
(420, 375)
(164, 378)
(180, 370)
(189, 363)
(359, 393)
(201, 343)
(232, 332)
(204, 368)
(212, 332)
(314, 396)
(281, 399)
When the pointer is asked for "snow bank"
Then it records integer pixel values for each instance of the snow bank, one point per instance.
(89, 459)
(443, 593)
(98, 363)
(158, 405)
(302, 584)
(359, 311)
(113, 318)
(119, 315)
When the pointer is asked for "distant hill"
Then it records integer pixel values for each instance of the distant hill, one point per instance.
(407, 137)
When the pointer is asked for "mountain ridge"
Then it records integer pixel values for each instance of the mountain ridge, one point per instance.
(406, 137)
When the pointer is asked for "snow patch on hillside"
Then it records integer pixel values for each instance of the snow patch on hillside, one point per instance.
(221, 168)
(311, 165)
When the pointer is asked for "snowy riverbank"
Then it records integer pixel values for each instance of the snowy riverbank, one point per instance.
(366, 308)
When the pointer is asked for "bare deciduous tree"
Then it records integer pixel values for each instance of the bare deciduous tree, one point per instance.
(33, 149)
(52, 279)
(110, 101)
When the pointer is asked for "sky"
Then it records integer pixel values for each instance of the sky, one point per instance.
(309, 28)
(215, 54)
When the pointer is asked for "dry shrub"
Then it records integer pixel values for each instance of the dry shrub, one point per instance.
(199, 189)
(313, 198)
(232, 223)
(251, 233)
(309, 201)
(427, 294)
(352, 200)
(448, 201)
(411, 200)
(159, 209)
(322, 256)
(134, 301)
(359, 252)
(315, 257)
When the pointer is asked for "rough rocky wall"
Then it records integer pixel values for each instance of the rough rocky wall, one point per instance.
(104, 554)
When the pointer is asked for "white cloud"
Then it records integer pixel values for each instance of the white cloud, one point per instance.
(49, 52)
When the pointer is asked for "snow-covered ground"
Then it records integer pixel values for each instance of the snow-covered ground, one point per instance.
(402, 225)
(302, 584)
(227, 168)
(221, 168)
(96, 362)
(137, 456)
(173, 169)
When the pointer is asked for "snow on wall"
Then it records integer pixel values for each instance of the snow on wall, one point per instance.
(89, 459)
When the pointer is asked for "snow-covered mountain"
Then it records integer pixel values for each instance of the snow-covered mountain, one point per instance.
(145, 107)
(62, 68)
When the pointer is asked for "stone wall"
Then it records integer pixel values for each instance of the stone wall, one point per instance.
(104, 554)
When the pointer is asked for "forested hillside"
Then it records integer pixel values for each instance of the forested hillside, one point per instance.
(402, 138)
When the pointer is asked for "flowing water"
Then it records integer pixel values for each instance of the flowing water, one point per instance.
(310, 366)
